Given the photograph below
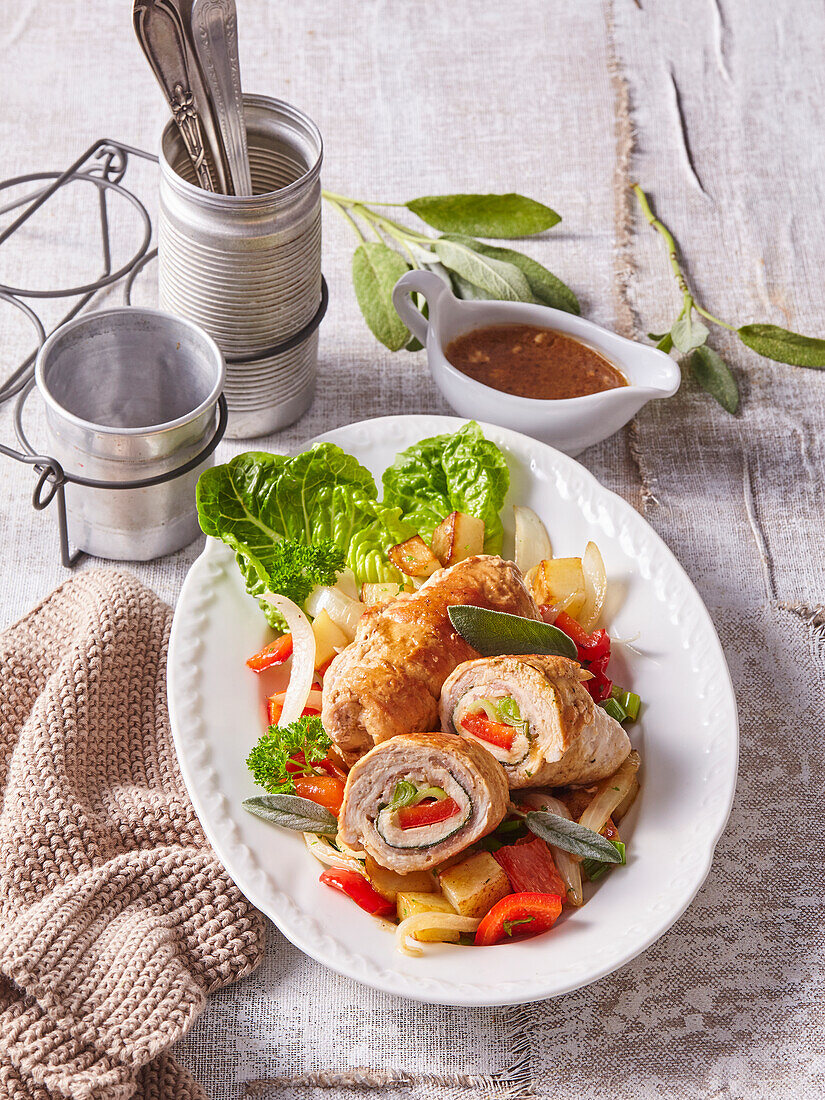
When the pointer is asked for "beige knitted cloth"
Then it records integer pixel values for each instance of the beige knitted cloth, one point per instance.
(116, 918)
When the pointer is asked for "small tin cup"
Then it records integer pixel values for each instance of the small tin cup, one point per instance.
(248, 268)
(130, 394)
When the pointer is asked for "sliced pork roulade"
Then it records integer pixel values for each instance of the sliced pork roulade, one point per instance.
(416, 800)
(389, 680)
(534, 716)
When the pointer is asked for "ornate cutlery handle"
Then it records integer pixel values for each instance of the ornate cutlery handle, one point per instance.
(215, 35)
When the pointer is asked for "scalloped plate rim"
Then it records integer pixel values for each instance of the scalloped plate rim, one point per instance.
(306, 933)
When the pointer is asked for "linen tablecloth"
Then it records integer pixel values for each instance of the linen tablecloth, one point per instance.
(716, 108)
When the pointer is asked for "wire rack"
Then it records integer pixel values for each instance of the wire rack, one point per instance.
(103, 167)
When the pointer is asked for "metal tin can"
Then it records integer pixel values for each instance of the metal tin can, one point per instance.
(130, 394)
(248, 268)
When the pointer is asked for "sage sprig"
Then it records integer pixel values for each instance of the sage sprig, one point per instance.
(571, 837)
(689, 333)
(290, 811)
(386, 249)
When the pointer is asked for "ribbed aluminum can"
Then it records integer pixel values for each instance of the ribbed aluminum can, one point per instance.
(248, 268)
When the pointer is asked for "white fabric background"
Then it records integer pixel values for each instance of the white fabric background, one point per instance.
(726, 121)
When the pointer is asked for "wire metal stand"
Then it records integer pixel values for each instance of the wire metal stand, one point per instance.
(103, 165)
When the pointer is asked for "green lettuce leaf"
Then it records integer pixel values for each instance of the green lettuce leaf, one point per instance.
(460, 472)
(322, 498)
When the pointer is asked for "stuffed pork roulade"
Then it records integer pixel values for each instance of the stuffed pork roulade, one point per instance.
(534, 716)
(416, 800)
(389, 680)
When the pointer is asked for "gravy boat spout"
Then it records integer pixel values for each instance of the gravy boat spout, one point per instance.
(570, 424)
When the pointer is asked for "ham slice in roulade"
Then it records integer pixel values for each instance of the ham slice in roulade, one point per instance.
(389, 680)
(534, 716)
(418, 799)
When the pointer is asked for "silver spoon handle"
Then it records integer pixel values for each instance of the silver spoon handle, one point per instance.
(215, 34)
(163, 40)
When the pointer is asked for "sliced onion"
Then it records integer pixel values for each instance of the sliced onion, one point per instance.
(595, 586)
(610, 794)
(303, 657)
(431, 922)
(568, 866)
(326, 852)
(347, 584)
(342, 609)
(532, 541)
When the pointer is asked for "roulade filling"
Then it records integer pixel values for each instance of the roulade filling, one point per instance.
(420, 815)
(495, 723)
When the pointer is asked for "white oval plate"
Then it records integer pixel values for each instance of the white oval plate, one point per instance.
(687, 735)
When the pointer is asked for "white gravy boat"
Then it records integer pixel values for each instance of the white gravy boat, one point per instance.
(570, 424)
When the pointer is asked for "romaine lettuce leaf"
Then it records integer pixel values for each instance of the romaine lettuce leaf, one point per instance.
(461, 472)
(322, 498)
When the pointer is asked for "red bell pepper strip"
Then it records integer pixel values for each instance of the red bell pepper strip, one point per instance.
(273, 654)
(428, 812)
(518, 916)
(485, 729)
(275, 708)
(325, 790)
(530, 867)
(355, 886)
(601, 685)
(591, 647)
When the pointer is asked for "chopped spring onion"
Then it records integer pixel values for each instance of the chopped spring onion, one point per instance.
(595, 868)
(622, 705)
(614, 708)
(407, 794)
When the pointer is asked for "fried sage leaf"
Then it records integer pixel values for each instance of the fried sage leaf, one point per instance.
(292, 812)
(493, 633)
(508, 215)
(714, 375)
(376, 269)
(786, 347)
(571, 837)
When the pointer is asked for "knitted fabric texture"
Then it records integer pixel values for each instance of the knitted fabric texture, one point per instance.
(116, 918)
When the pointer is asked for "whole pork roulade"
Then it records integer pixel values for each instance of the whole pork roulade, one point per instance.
(416, 800)
(534, 716)
(389, 680)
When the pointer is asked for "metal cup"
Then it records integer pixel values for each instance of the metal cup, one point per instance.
(130, 394)
(248, 268)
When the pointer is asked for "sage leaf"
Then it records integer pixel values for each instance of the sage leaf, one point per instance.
(292, 812)
(376, 268)
(688, 333)
(714, 375)
(493, 633)
(500, 280)
(571, 837)
(484, 215)
(546, 287)
(467, 291)
(784, 346)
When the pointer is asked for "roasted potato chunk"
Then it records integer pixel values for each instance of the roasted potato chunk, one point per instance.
(457, 537)
(558, 581)
(390, 884)
(475, 885)
(329, 638)
(409, 904)
(377, 593)
(414, 557)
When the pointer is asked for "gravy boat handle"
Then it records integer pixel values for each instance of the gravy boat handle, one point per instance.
(425, 283)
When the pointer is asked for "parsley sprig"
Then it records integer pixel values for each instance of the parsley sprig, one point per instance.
(280, 744)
